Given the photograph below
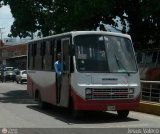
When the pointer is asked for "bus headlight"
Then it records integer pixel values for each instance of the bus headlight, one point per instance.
(131, 90)
(88, 93)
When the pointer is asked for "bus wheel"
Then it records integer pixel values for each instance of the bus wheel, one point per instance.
(123, 113)
(41, 104)
(76, 114)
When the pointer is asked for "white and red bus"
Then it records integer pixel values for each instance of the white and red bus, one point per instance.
(100, 72)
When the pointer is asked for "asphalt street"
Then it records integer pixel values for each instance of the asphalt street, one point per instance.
(19, 113)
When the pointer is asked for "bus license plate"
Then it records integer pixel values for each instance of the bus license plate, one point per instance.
(111, 108)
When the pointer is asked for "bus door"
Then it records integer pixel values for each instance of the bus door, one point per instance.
(64, 92)
(57, 50)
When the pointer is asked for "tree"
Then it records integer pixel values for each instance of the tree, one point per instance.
(81, 14)
(144, 20)
(151, 22)
(56, 16)
(1, 3)
(133, 10)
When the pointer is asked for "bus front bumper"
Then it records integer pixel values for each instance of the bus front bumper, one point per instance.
(105, 105)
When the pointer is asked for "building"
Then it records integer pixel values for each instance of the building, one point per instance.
(14, 55)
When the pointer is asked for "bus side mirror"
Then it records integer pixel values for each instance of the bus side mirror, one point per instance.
(72, 50)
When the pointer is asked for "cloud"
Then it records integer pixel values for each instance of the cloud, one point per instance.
(6, 20)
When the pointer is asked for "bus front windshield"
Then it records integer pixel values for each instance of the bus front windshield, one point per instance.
(101, 53)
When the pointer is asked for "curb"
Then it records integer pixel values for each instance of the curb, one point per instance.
(149, 107)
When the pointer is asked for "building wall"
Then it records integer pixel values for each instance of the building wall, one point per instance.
(15, 55)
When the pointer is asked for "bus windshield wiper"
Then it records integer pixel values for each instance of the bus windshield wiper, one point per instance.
(120, 65)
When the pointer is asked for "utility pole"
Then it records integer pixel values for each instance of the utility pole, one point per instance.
(1, 32)
(1, 41)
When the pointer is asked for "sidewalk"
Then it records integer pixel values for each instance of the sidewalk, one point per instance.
(149, 107)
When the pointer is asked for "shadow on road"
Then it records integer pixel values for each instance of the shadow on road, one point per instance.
(64, 115)
(16, 96)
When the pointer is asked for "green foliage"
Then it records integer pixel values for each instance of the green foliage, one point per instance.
(144, 21)
(80, 14)
(151, 22)
(1, 3)
(56, 16)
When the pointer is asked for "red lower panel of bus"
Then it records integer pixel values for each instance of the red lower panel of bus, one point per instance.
(49, 95)
(103, 105)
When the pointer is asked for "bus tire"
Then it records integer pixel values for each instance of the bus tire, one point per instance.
(122, 114)
(76, 114)
(41, 104)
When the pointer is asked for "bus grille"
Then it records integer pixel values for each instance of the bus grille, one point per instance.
(114, 93)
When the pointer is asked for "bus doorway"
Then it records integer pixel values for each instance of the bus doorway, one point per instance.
(63, 88)
(64, 95)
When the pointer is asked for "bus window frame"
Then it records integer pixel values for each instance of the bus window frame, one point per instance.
(62, 49)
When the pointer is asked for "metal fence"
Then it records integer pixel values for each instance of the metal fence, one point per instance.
(150, 91)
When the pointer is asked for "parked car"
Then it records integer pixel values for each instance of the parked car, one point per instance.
(1, 74)
(21, 76)
(9, 74)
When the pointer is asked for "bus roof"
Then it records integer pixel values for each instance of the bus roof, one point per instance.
(75, 33)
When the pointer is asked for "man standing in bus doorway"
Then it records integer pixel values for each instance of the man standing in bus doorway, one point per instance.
(58, 69)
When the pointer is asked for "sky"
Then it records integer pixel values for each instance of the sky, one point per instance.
(6, 20)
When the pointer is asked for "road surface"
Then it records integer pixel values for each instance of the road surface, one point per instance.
(19, 113)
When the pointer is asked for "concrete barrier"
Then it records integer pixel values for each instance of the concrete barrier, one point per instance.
(149, 107)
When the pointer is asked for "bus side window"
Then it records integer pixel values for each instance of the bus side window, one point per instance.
(52, 52)
(29, 56)
(158, 59)
(42, 49)
(52, 45)
(154, 57)
(47, 58)
(34, 52)
(42, 53)
(66, 59)
(58, 49)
